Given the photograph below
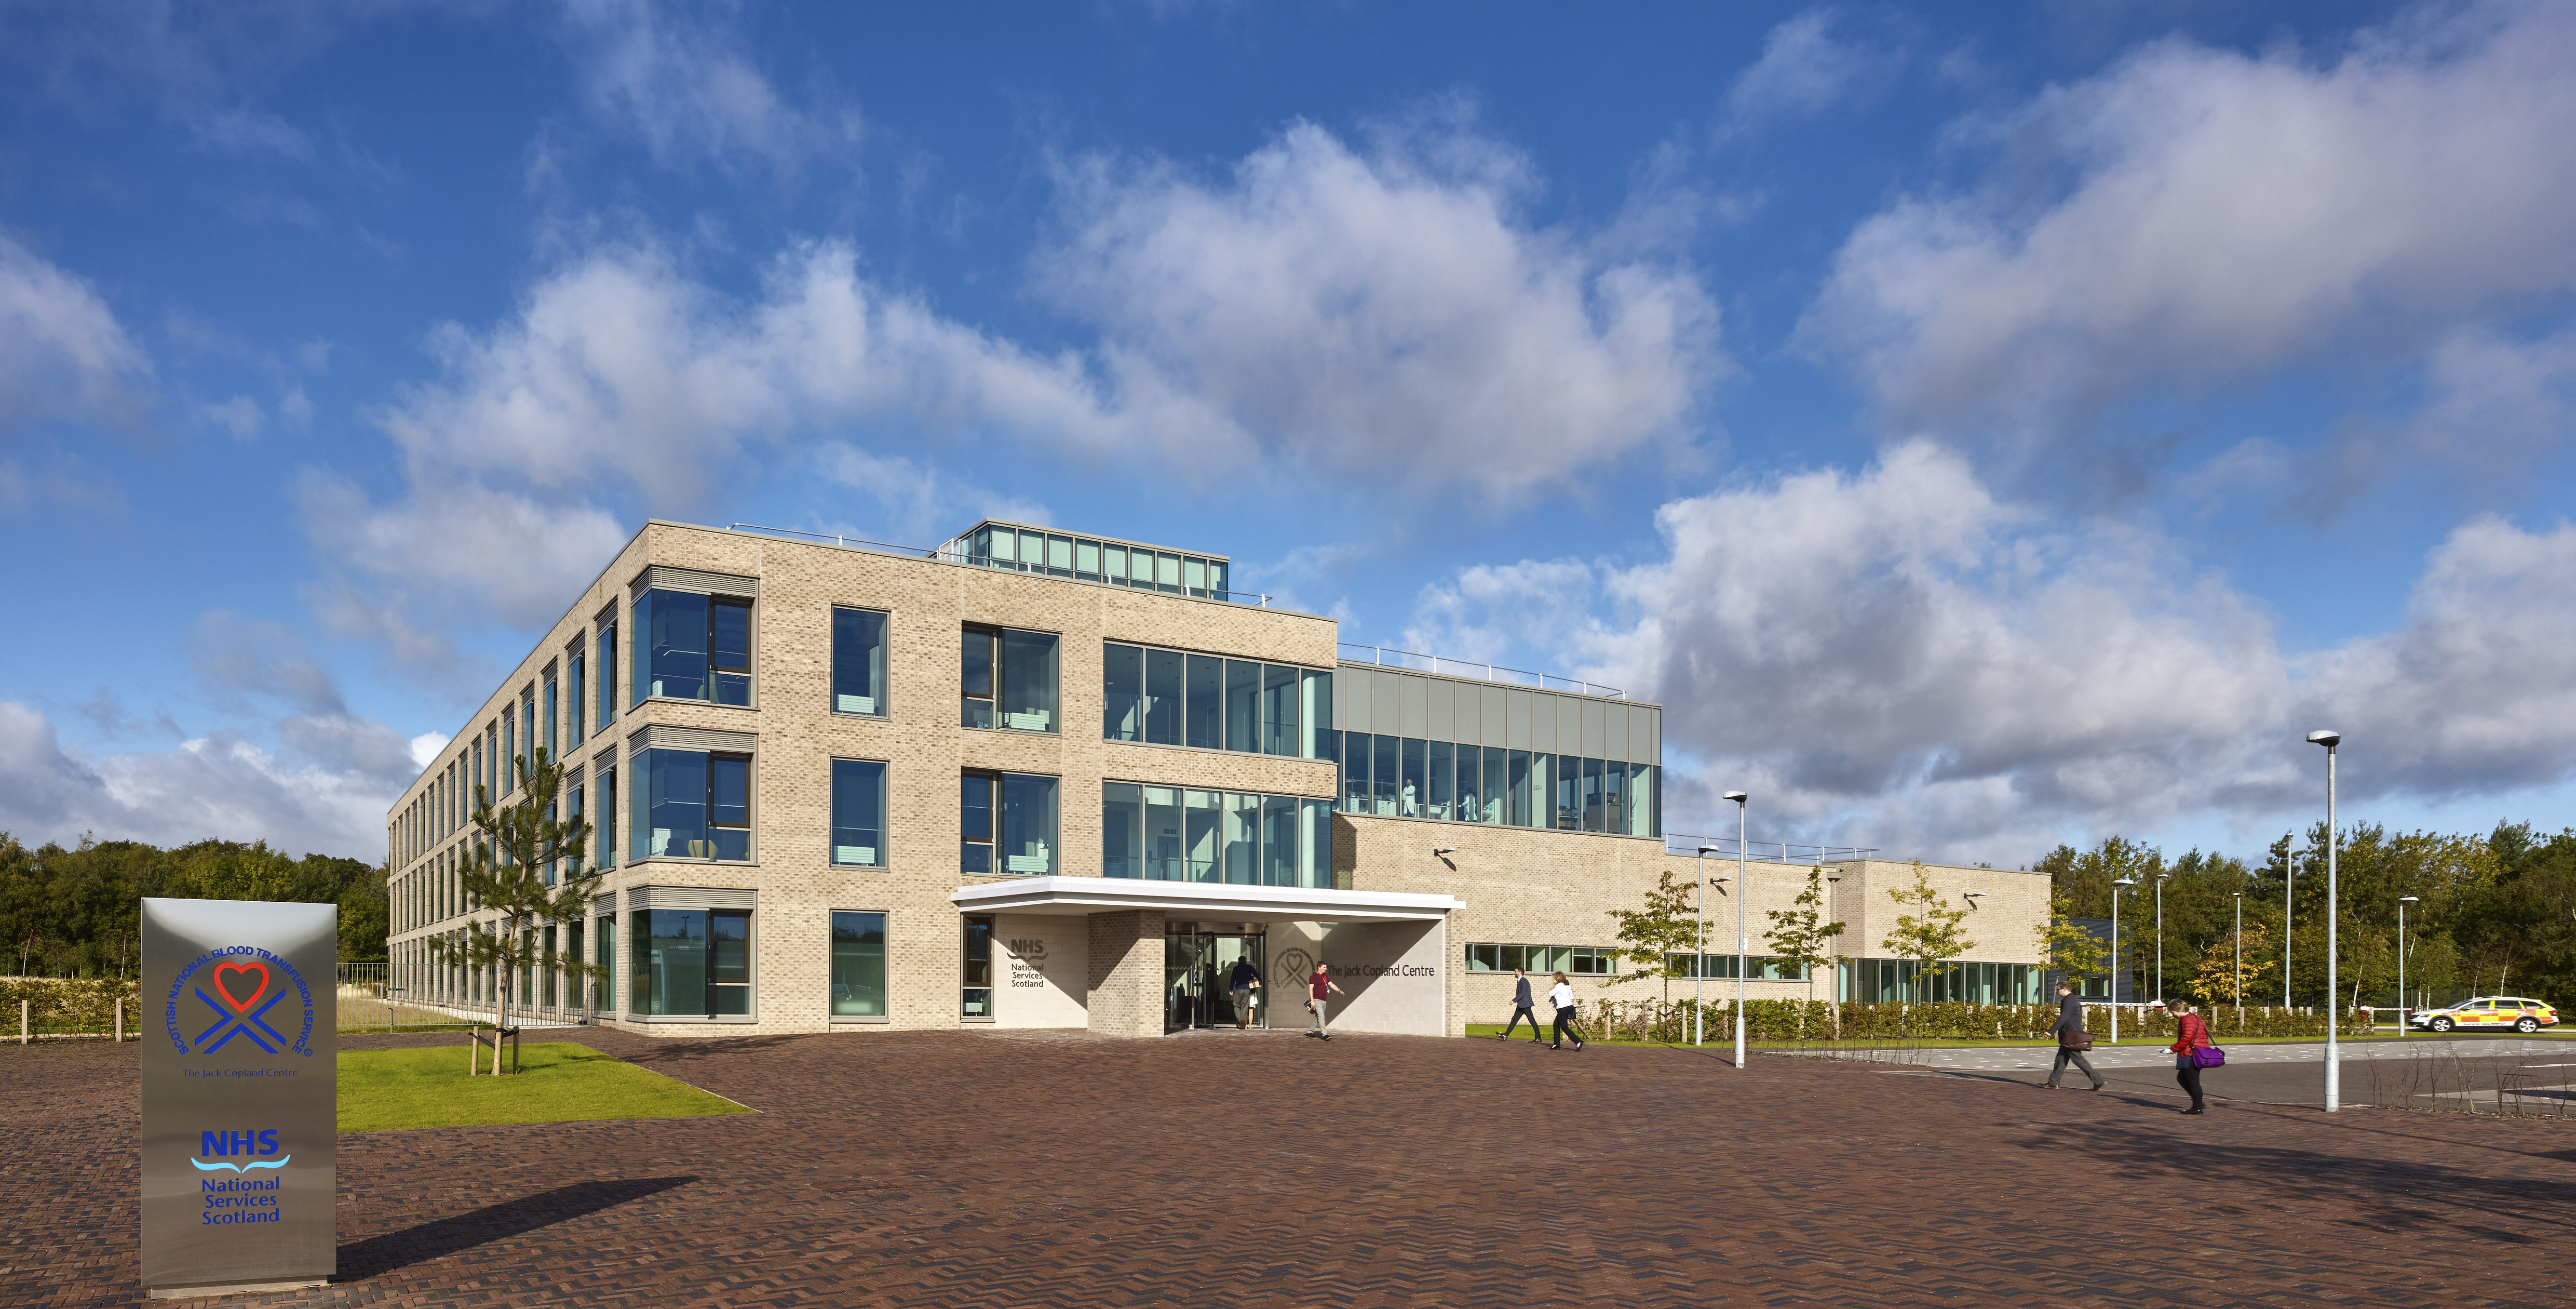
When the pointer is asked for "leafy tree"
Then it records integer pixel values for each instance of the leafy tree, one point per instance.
(1799, 934)
(1662, 933)
(2069, 948)
(525, 865)
(2222, 979)
(1933, 933)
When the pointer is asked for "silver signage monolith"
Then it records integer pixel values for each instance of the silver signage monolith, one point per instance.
(240, 1094)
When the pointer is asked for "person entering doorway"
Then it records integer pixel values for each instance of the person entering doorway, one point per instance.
(1240, 982)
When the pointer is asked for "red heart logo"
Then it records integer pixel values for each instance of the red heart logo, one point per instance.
(241, 1005)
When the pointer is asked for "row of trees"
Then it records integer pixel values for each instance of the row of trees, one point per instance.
(2492, 914)
(1661, 938)
(79, 912)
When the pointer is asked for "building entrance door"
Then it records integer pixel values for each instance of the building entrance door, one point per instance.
(1196, 968)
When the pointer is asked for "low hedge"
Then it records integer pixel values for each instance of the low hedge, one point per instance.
(1828, 1020)
(67, 1006)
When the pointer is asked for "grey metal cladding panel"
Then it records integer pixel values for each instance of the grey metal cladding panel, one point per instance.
(1444, 698)
(663, 578)
(1542, 731)
(689, 897)
(1569, 725)
(691, 738)
(604, 906)
(1382, 702)
(1350, 699)
(1645, 735)
(1594, 747)
(1470, 701)
(1614, 730)
(1507, 716)
(1413, 698)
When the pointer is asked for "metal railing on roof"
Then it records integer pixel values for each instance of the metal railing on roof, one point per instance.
(1765, 852)
(1387, 656)
(950, 555)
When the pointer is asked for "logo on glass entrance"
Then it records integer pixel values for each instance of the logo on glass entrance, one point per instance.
(235, 992)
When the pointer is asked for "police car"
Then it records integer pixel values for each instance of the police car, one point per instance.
(2486, 1012)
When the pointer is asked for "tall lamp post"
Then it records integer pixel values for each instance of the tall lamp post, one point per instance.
(2160, 936)
(2334, 1019)
(2289, 905)
(2115, 954)
(2239, 986)
(1741, 887)
(1699, 956)
(2402, 901)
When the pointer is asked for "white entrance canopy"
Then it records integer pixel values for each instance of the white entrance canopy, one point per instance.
(1201, 900)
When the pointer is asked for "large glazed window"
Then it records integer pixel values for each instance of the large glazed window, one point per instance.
(1163, 697)
(858, 965)
(691, 962)
(1008, 679)
(1122, 693)
(692, 647)
(1207, 702)
(607, 675)
(694, 805)
(1204, 717)
(1242, 706)
(858, 813)
(1007, 823)
(858, 661)
(975, 1000)
(574, 702)
(1169, 834)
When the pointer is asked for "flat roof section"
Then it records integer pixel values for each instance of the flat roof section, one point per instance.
(1074, 896)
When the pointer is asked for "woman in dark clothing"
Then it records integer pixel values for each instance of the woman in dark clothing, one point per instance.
(2190, 1033)
(2069, 1026)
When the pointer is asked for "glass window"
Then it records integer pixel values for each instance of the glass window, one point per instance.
(1086, 560)
(671, 645)
(1206, 712)
(1279, 710)
(509, 754)
(1567, 772)
(1163, 697)
(1471, 784)
(1483, 958)
(1315, 856)
(1028, 681)
(1384, 775)
(977, 1001)
(696, 806)
(1355, 772)
(1243, 839)
(670, 964)
(1163, 862)
(1593, 810)
(858, 965)
(729, 651)
(1278, 841)
(858, 813)
(1317, 714)
(1113, 564)
(1199, 834)
(729, 806)
(549, 737)
(1122, 693)
(1167, 573)
(574, 699)
(1028, 824)
(1032, 552)
(1516, 796)
(975, 823)
(1408, 801)
(1216, 578)
(729, 963)
(1242, 705)
(1614, 796)
(604, 947)
(607, 674)
(976, 660)
(528, 736)
(1441, 777)
(607, 825)
(1194, 575)
(1122, 829)
(858, 661)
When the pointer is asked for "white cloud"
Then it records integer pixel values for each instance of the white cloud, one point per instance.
(1900, 658)
(1805, 69)
(242, 130)
(1387, 315)
(690, 90)
(62, 352)
(917, 504)
(425, 747)
(240, 416)
(2223, 215)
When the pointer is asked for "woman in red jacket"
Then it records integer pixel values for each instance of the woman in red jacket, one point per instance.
(2190, 1033)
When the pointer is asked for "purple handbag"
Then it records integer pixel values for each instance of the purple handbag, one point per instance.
(2208, 1056)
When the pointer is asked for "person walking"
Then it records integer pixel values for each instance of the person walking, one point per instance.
(1521, 1009)
(1320, 983)
(1240, 983)
(2072, 1039)
(1561, 995)
(2191, 1032)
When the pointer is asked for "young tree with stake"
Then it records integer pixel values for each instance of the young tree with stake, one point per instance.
(1930, 935)
(517, 845)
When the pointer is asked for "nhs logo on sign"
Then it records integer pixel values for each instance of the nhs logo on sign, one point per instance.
(224, 1145)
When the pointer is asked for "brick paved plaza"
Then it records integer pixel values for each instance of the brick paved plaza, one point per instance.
(991, 1169)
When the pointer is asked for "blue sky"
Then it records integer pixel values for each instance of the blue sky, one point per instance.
(1982, 426)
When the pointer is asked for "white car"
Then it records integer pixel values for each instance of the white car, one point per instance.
(2486, 1013)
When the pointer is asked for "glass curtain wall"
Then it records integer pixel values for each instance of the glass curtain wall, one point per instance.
(1168, 697)
(1177, 834)
(1086, 559)
(1406, 777)
(692, 647)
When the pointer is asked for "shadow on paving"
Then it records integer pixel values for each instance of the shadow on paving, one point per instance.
(2380, 1194)
(394, 1251)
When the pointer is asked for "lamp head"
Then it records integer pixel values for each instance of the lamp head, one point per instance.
(1736, 796)
(1972, 894)
(1708, 849)
(1444, 849)
(2326, 738)
(2410, 899)
(2124, 881)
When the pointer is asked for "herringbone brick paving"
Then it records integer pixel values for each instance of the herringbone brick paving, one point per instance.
(992, 1169)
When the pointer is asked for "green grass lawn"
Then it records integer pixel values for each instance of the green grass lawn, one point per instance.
(561, 1082)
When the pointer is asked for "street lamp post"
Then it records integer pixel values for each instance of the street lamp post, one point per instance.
(2160, 935)
(2115, 954)
(2402, 901)
(1741, 888)
(2334, 1020)
(1699, 951)
(2239, 986)
(2289, 879)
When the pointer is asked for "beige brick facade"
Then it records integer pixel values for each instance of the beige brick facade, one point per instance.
(1518, 885)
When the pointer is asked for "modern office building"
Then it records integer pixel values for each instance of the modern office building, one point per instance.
(1034, 779)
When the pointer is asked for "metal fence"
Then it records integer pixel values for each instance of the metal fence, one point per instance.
(1387, 656)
